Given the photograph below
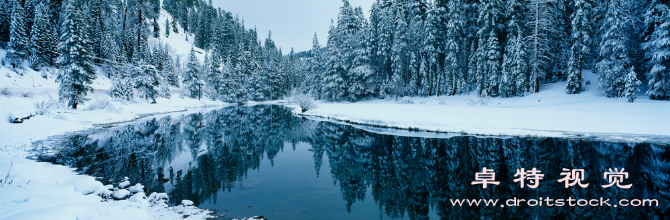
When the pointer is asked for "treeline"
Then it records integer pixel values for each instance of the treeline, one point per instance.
(405, 48)
(76, 35)
(493, 48)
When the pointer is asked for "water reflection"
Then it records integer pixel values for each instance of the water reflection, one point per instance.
(200, 156)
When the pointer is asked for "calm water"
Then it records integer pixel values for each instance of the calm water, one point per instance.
(262, 160)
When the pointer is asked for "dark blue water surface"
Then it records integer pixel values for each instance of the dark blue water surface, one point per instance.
(263, 160)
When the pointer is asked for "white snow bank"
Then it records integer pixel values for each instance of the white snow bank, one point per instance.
(551, 112)
(37, 190)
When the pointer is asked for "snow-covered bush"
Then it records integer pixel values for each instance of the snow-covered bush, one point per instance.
(43, 107)
(103, 103)
(5, 92)
(305, 101)
(27, 94)
(405, 100)
(442, 101)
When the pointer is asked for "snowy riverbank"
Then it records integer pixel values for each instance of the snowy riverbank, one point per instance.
(35, 190)
(551, 113)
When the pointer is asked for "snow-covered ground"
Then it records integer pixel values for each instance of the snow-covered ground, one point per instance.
(34, 190)
(551, 112)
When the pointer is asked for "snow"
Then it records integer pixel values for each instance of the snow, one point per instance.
(178, 46)
(36, 190)
(186, 202)
(550, 113)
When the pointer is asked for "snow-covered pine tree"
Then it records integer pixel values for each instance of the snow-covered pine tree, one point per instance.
(214, 77)
(424, 89)
(157, 29)
(493, 67)
(191, 83)
(360, 76)
(581, 45)
(539, 16)
(41, 40)
(632, 84)
(231, 90)
(452, 61)
(657, 48)
(112, 56)
(18, 37)
(121, 83)
(76, 71)
(96, 22)
(614, 55)
(174, 26)
(314, 77)
(145, 81)
(167, 28)
(169, 69)
(334, 86)
(514, 64)
(399, 56)
(413, 74)
(490, 12)
(5, 21)
(559, 52)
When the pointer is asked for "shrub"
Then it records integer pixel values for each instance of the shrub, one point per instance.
(5, 92)
(406, 100)
(27, 94)
(103, 103)
(305, 101)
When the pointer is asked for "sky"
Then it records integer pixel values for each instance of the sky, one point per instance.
(292, 22)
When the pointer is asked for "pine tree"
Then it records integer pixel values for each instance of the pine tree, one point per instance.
(657, 47)
(581, 38)
(169, 72)
(414, 74)
(191, 83)
(613, 52)
(513, 80)
(121, 84)
(493, 59)
(452, 62)
(5, 22)
(360, 76)
(490, 50)
(433, 47)
(96, 23)
(42, 53)
(145, 81)
(18, 39)
(157, 29)
(76, 71)
(167, 28)
(314, 78)
(214, 77)
(632, 84)
(174, 26)
(539, 25)
(334, 86)
(111, 53)
(399, 56)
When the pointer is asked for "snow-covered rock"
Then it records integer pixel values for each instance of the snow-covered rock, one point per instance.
(121, 194)
(187, 202)
(136, 188)
(85, 185)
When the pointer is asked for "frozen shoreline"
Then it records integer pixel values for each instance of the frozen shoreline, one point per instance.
(550, 113)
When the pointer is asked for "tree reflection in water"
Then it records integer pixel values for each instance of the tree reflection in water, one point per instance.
(407, 176)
